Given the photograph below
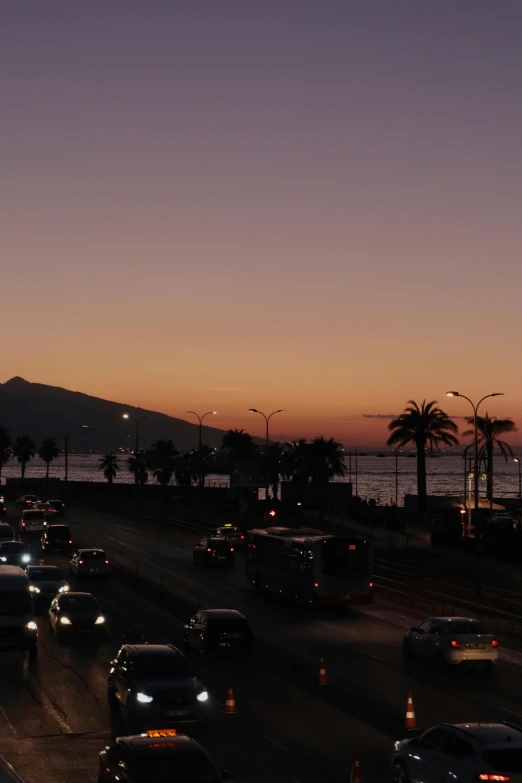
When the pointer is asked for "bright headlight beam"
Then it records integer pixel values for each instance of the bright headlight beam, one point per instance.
(143, 698)
(203, 696)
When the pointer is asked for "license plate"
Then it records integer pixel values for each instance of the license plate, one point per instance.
(471, 646)
(221, 557)
(231, 636)
(176, 713)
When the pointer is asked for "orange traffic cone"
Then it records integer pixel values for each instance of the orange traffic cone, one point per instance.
(356, 771)
(411, 721)
(230, 704)
(323, 677)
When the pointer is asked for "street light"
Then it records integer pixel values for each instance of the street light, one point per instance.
(267, 419)
(136, 420)
(516, 459)
(200, 419)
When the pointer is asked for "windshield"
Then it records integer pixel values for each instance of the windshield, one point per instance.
(459, 627)
(12, 546)
(345, 556)
(45, 574)
(32, 515)
(504, 759)
(80, 603)
(162, 667)
(15, 602)
(186, 767)
(90, 555)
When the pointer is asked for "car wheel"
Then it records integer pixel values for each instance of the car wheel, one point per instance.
(407, 650)
(440, 663)
(399, 773)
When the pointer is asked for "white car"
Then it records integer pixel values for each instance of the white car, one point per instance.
(462, 752)
(45, 582)
(451, 641)
(89, 562)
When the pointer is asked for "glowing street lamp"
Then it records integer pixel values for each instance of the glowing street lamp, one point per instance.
(267, 420)
(136, 420)
(200, 419)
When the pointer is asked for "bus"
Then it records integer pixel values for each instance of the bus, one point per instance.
(310, 565)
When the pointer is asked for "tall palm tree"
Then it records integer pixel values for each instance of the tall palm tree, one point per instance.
(426, 426)
(162, 461)
(48, 452)
(489, 429)
(137, 464)
(109, 463)
(325, 460)
(5, 448)
(239, 445)
(24, 450)
(201, 462)
(184, 469)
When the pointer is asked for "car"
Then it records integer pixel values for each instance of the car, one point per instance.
(59, 507)
(155, 685)
(89, 562)
(27, 501)
(217, 632)
(49, 510)
(14, 553)
(18, 629)
(46, 581)
(56, 538)
(6, 532)
(451, 641)
(464, 752)
(234, 535)
(212, 550)
(33, 521)
(75, 613)
(157, 755)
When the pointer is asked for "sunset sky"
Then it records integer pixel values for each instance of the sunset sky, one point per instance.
(313, 205)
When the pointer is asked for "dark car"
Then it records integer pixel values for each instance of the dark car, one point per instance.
(27, 501)
(216, 632)
(155, 685)
(214, 551)
(14, 553)
(59, 507)
(76, 613)
(57, 538)
(158, 756)
(6, 532)
(33, 522)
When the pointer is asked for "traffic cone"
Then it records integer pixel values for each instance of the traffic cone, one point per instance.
(411, 721)
(230, 704)
(42, 561)
(356, 771)
(323, 677)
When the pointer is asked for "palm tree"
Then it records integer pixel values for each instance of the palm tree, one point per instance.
(110, 465)
(47, 452)
(162, 461)
(24, 450)
(274, 462)
(489, 430)
(424, 426)
(183, 469)
(137, 464)
(201, 462)
(239, 445)
(5, 448)
(325, 460)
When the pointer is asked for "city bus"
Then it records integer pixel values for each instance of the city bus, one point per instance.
(310, 565)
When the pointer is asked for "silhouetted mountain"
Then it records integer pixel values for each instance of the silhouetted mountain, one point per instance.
(92, 423)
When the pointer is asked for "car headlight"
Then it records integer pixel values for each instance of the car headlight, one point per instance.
(34, 589)
(31, 625)
(64, 589)
(397, 745)
(3, 559)
(143, 698)
(26, 558)
(65, 621)
(100, 620)
(203, 696)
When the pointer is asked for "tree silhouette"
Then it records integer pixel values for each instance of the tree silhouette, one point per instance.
(239, 445)
(489, 431)
(5, 448)
(201, 462)
(48, 452)
(109, 463)
(424, 426)
(24, 450)
(137, 464)
(162, 461)
(184, 471)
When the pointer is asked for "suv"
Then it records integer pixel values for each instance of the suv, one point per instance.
(452, 641)
(154, 685)
(466, 751)
(218, 632)
(57, 538)
(33, 521)
(234, 535)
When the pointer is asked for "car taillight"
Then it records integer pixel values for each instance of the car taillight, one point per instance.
(454, 643)
(242, 538)
(106, 562)
(80, 562)
(494, 643)
(231, 548)
(489, 776)
(209, 549)
(370, 584)
(70, 542)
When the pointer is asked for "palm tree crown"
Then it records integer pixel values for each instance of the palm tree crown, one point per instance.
(24, 450)
(424, 426)
(137, 464)
(47, 452)
(5, 447)
(239, 445)
(162, 461)
(110, 466)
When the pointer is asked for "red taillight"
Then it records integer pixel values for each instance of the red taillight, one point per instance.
(209, 549)
(231, 548)
(80, 562)
(454, 643)
(494, 643)
(316, 584)
(370, 584)
(106, 562)
(242, 538)
(70, 542)
(488, 776)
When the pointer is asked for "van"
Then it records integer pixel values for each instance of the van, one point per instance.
(18, 629)
(33, 521)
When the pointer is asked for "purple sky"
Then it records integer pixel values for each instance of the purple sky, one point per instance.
(315, 201)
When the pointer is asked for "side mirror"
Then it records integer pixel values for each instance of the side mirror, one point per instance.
(225, 774)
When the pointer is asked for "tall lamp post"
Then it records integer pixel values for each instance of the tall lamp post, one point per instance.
(136, 420)
(200, 419)
(267, 420)
(517, 460)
